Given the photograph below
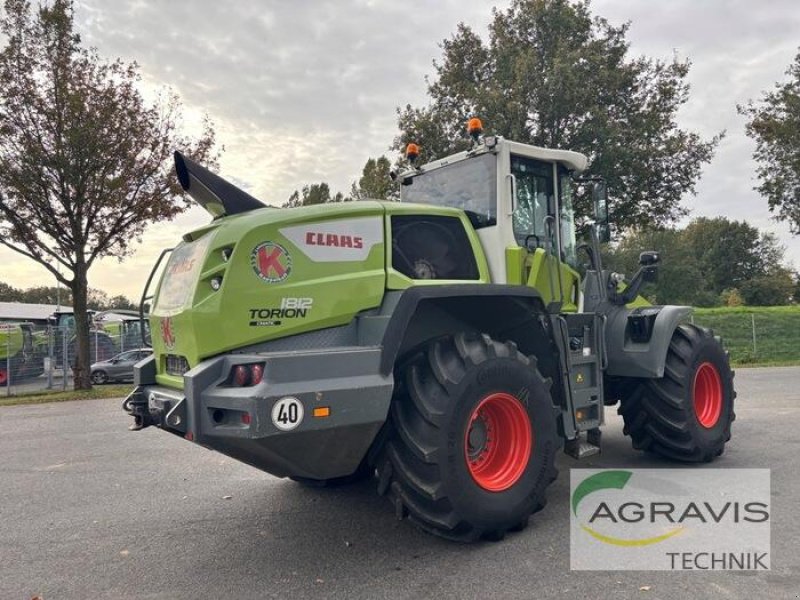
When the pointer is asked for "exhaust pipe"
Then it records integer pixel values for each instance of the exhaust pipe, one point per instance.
(219, 197)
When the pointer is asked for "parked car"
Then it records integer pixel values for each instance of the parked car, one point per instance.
(119, 367)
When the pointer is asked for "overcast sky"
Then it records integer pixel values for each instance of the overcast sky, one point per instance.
(305, 91)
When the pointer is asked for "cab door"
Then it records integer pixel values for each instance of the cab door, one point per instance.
(538, 260)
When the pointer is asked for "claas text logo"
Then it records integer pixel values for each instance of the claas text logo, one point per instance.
(271, 262)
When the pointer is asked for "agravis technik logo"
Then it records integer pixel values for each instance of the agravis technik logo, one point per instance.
(612, 480)
(670, 519)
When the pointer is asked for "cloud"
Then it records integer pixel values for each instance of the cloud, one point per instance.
(302, 90)
(306, 91)
(738, 50)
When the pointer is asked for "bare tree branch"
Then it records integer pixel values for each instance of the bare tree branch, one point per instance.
(84, 161)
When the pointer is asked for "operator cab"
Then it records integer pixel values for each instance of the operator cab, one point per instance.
(514, 195)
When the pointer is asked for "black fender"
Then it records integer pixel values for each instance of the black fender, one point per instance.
(631, 357)
(504, 312)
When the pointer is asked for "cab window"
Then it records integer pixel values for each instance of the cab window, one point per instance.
(470, 185)
(534, 183)
(568, 237)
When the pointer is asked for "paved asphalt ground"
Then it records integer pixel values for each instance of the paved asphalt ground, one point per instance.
(90, 510)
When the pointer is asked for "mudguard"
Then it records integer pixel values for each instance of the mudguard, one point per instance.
(422, 313)
(628, 354)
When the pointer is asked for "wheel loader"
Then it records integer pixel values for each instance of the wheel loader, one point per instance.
(19, 358)
(445, 345)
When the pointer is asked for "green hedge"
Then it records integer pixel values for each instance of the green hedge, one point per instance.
(777, 330)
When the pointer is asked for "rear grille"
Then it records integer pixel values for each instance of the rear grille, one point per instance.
(176, 365)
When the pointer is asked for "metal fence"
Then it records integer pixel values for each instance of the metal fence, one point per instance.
(32, 359)
(40, 359)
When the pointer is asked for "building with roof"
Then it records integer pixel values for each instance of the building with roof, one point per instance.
(19, 312)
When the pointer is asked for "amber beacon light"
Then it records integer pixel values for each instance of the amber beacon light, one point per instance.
(412, 152)
(474, 127)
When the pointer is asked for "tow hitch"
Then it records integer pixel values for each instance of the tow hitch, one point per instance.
(151, 408)
(136, 405)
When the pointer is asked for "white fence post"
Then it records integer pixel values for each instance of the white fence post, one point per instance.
(8, 362)
(65, 360)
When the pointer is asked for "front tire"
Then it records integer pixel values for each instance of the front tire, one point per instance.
(99, 377)
(686, 415)
(471, 439)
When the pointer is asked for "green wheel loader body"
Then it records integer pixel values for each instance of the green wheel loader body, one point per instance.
(21, 354)
(11, 340)
(326, 341)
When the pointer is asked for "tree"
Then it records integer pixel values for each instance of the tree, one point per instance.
(9, 293)
(96, 299)
(47, 294)
(120, 302)
(731, 297)
(774, 124)
(375, 182)
(553, 75)
(316, 193)
(84, 161)
(775, 289)
(680, 279)
(796, 289)
(710, 262)
(731, 252)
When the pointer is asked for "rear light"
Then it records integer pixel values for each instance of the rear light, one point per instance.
(258, 374)
(241, 376)
(246, 375)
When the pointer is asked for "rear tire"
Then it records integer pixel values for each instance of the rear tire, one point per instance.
(471, 439)
(686, 415)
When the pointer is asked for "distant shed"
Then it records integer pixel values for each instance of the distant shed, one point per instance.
(18, 312)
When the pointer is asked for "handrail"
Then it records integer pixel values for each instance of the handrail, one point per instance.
(145, 297)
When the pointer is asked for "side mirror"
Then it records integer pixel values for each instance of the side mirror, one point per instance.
(649, 261)
(649, 258)
(600, 201)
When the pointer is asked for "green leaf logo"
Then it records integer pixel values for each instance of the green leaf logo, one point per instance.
(612, 480)
(599, 481)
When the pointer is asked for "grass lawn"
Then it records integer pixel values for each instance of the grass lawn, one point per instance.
(777, 333)
(97, 392)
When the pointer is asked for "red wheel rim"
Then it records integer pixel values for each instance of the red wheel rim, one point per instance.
(498, 442)
(707, 394)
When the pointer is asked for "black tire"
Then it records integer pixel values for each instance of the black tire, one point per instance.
(99, 377)
(36, 366)
(17, 371)
(661, 415)
(426, 464)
